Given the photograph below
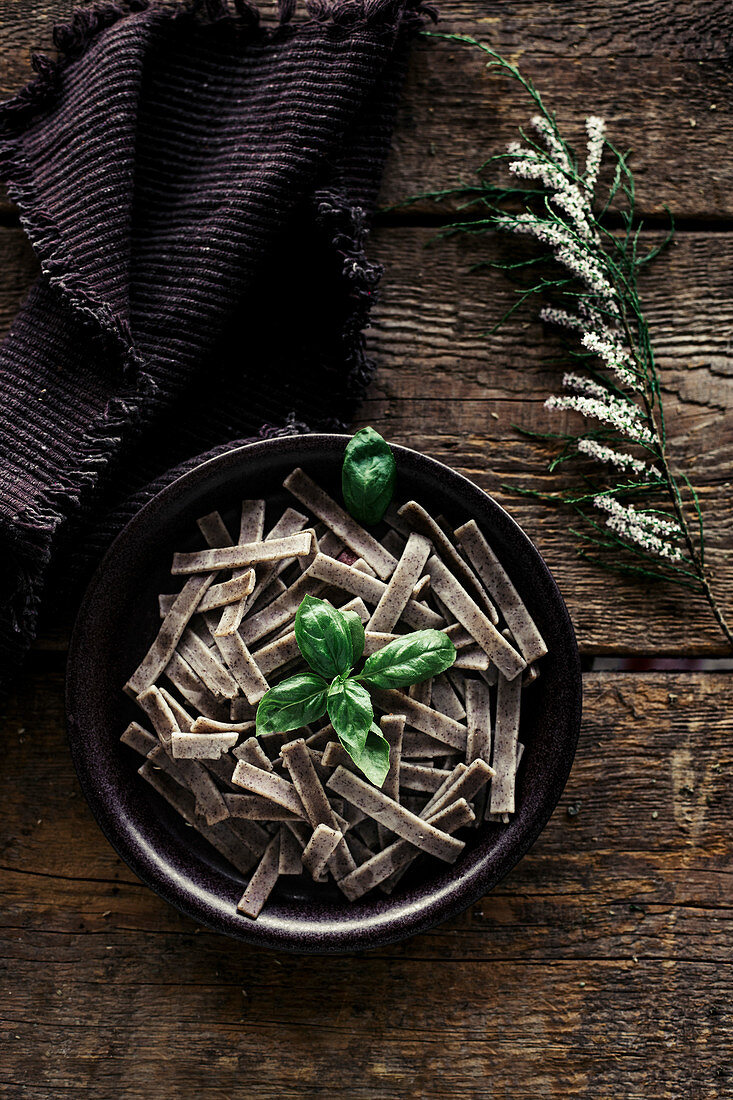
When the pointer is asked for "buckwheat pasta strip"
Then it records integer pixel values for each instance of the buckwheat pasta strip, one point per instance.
(393, 543)
(201, 746)
(393, 726)
(470, 615)
(237, 557)
(291, 855)
(263, 880)
(171, 630)
(420, 777)
(370, 589)
(423, 718)
(385, 811)
(181, 715)
(467, 781)
(190, 774)
(465, 817)
(289, 524)
(137, 737)
(268, 785)
(318, 810)
(340, 522)
(231, 591)
(398, 592)
(421, 521)
(269, 592)
(240, 710)
(505, 746)
(222, 769)
(422, 586)
(252, 807)
(478, 722)
(494, 576)
(419, 746)
(422, 692)
(358, 849)
(208, 725)
(320, 848)
(211, 671)
(242, 666)
(396, 522)
(193, 690)
(251, 752)
(400, 854)
(445, 787)
(445, 699)
(458, 635)
(374, 641)
(472, 659)
(181, 800)
(159, 713)
(214, 530)
(281, 610)
(251, 527)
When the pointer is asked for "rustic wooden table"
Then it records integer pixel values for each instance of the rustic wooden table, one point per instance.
(601, 967)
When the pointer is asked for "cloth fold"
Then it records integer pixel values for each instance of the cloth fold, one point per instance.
(196, 187)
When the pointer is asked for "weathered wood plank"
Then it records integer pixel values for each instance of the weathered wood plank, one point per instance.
(445, 388)
(658, 73)
(598, 967)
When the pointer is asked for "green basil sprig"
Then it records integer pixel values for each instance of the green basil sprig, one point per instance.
(332, 643)
(368, 476)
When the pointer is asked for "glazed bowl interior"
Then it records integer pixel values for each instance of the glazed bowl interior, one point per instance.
(119, 618)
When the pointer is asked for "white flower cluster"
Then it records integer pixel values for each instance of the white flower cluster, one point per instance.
(579, 383)
(606, 346)
(596, 130)
(557, 178)
(646, 529)
(593, 449)
(619, 414)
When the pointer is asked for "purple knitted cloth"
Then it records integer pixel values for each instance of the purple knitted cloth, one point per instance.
(195, 187)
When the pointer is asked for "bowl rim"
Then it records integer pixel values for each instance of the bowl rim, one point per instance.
(398, 922)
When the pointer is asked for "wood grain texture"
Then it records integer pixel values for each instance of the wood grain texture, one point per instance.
(658, 73)
(598, 968)
(445, 388)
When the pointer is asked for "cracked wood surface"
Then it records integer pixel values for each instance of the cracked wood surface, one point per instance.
(600, 967)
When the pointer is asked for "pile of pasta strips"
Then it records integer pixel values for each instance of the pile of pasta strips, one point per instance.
(292, 804)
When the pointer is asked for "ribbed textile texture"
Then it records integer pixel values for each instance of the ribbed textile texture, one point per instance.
(196, 188)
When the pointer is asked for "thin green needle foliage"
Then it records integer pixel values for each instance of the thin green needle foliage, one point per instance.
(640, 516)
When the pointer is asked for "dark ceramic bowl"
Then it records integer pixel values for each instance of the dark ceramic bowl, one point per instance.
(118, 620)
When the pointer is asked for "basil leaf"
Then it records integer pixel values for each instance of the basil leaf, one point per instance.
(368, 476)
(409, 660)
(324, 637)
(373, 757)
(356, 629)
(291, 704)
(350, 710)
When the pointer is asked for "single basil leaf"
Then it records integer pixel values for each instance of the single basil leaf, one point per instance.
(350, 710)
(409, 660)
(368, 476)
(356, 628)
(373, 757)
(324, 637)
(291, 704)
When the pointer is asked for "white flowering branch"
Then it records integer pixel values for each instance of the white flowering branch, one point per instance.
(591, 293)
